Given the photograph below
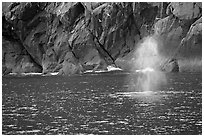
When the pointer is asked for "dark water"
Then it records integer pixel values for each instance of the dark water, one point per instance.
(100, 104)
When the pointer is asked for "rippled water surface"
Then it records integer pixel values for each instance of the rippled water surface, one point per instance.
(100, 104)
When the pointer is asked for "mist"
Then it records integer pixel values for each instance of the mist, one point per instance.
(146, 65)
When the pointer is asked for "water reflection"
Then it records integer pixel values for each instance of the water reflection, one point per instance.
(144, 96)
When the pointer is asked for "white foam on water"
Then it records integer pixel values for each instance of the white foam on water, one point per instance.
(54, 73)
(28, 131)
(111, 68)
(137, 93)
(32, 74)
(96, 71)
(51, 74)
(147, 92)
(145, 70)
(144, 96)
(12, 73)
(24, 74)
(27, 74)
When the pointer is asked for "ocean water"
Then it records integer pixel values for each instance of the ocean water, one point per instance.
(101, 104)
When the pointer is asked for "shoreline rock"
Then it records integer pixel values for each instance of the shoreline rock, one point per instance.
(72, 37)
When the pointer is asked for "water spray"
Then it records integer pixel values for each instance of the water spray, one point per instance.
(146, 66)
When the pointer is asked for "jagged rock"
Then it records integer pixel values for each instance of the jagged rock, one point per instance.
(5, 70)
(15, 59)
(176, 32)
(115, 27)
(92, 5)
(126, 62)
(170, 33)
(181, 33)
(70, 65)
(191, 44)
(186, 10)
(36, 41)
(83, 45)
(61, 45)
(71, 37)
(49, 61)
(25, 22)
(171, 66)
(69, 12)
(25, 65)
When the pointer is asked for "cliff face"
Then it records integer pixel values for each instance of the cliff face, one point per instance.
(70, 37)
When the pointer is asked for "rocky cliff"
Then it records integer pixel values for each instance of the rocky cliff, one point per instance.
(73, 37)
